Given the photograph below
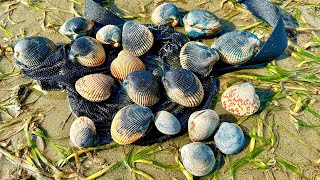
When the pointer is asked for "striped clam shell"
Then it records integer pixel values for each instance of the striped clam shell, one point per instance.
(183, 87)
(237, 47)
(167, 123)
(76, 27)
(142, 87)
(166, 14)
(130, 124)
(87, 51)
(124, 64)
(241, 99)
(82, 132)
(109, 34)
(136, 38)
(198, 58)
(95, 87)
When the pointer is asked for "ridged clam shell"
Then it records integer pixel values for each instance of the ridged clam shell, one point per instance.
(109, 34)
(166, 14)
(82, 132)
(136, 38)
(124, 64)
(167, 123)
(237, 47)
(198, 58)
(202, 124)
(130, 124)
(76, 27)
(183, 87)
(87, 51)
(240, 99)
(142, 87)
(229, 138)
(32, 51)
(95, 87)
(197, 158)
(201, 23)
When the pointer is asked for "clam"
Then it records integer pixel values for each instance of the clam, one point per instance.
(142, 87)
(130, 124)
(167, 123)
(109, 34)
(87, 51)
(237, 47)
(124, 64)
(166, 14)
(136, 38)
(240, 99)
(76, 27)
(229, 138)
(95, 87)
(201, 23)
(202, 124)
(197, 158)
(183, 87)
(198, 58)
(82, 132)
(32, 51)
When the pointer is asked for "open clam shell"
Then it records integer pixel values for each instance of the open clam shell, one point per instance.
(167, 123)
(76, 27)
(109, 34)
(166, 14)
(82, 132)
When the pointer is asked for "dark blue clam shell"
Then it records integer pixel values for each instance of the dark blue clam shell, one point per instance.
(76, 27)
(166, 14)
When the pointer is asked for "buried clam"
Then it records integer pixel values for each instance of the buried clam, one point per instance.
(167, 123)
(166, 14)
(109, 34)
(76, 27)
(82, 132)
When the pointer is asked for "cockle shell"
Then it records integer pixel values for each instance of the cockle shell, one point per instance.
(166, 14)
(109, 34)
(241, 99)
(76, 27)
(130, 124)
(198, 158)
(32, 51)
(95, 87)
(183, 87)
(82, 132)
(167, 123)
(237, 47)
(124, 64)
(142, 87)
(136, 38)
(202, 124)
(87, 51)
(229, 138)
(198, 58)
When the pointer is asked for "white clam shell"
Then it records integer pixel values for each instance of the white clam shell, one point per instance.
(167, 123)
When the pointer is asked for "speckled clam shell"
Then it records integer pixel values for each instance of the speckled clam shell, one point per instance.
(32, 51)
(95, 87)
(167, 123)
(87, 51)
(237, 47)
(198, 58)
(76, 27)
(201, 23)
(197, 158)
(240, 99)
(229, 138)
(166, 14)
(109, 34)
(124, 64)
(82, 132)
(136, 38)
(183, 87)
(130, 124)
(142, 87)
(202, 124)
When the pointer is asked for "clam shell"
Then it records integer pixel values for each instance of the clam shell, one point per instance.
(32, 51)
(109, 34)
(183, 87)
(82, 132)
(124, 64)
(142, 87)
(76, 27)
(197, 158)
(166, 14)
(237, 47)
(130, 124)
(167, 123)
(229, 138)
(202, 124)
(198, 58)
(95, 87)
(240, 99)
(136, 38)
